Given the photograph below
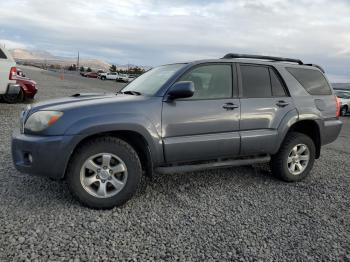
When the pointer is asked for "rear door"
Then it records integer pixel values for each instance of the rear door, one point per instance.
(205, 126)
(264, 103)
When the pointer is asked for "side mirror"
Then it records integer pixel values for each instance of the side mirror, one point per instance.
(182, 89)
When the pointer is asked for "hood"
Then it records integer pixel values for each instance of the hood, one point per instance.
(83, 100)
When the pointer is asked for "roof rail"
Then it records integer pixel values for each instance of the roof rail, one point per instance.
(273, 58)
(319, 67)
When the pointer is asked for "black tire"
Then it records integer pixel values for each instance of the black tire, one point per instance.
(103, 78)
(114, 146)
(343, 111)
(278, 163)
(12, 99)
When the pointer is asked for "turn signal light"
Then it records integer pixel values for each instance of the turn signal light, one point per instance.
(337, 107)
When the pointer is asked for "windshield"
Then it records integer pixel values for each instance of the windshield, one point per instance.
(345, 95)
(150, 82)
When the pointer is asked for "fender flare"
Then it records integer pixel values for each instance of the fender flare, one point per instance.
(93, 125)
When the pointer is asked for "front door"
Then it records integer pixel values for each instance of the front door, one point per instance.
(205, 126)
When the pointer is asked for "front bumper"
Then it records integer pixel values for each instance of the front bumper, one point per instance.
(29, 91)
(42, 155)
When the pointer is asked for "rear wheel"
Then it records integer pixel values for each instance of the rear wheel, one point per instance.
(295, 159)
(103, 173)
(11, 99)
(103, 78)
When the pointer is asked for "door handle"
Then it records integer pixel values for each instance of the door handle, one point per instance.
(229, 106)
(282, 103)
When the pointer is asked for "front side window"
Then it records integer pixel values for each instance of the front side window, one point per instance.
(312, 80)
(210, 81)
(150, 82)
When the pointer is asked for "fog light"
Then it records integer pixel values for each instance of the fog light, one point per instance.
(28, 158)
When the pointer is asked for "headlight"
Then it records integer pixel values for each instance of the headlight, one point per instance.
(41, 120)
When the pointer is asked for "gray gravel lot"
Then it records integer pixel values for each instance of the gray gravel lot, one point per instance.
(228, 214)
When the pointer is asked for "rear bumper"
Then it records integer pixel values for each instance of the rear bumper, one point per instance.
(42, 155)
(331, 130)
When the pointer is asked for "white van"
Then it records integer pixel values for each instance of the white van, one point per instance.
(9, 90)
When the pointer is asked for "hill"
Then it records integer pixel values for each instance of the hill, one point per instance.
(44, 57)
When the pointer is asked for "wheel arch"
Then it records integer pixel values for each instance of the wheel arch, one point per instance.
(310, 128)
(135, 139)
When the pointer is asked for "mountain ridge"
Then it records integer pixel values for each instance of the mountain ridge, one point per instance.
(45, 57)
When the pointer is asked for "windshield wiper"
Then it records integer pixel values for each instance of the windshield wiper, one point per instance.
(130, 92)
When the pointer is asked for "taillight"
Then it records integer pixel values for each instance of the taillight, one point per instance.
(337, 107)
(13, 73)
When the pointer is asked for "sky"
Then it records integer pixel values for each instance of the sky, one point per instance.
(157, 32)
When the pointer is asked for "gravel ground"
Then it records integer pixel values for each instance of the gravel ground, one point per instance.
(228, 214)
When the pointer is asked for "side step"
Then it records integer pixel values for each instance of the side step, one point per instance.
(212, 165)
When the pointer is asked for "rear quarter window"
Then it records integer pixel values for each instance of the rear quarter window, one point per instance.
(312, 80)
(2, 55)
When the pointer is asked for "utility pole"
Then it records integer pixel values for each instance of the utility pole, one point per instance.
(78, 62)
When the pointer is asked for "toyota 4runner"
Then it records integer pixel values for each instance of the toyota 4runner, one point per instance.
(238, 110)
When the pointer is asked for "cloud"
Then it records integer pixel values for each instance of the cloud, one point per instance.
(155, 32)
(12, 44)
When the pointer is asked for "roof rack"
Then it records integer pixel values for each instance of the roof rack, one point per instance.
(319, 67)
(272, 58)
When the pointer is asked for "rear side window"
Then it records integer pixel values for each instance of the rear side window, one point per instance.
(2, 55)
(312, 80)
(255, 81)
(276, 84)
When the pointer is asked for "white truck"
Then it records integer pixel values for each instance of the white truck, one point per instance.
(9, 90)
(108, 76)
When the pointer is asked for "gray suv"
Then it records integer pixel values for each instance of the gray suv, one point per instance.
(237, 110)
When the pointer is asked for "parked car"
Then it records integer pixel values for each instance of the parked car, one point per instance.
(9, 90)
(239, 110)
(28, 88)
(120, 77)
(91, 75)
(109, 76)
(344, 97)
(126, 78)
(83, 73)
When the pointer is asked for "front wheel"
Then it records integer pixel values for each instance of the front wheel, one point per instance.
(295, 159)
(104, 172)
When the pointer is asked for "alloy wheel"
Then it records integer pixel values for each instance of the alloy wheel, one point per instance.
(298, 159)
(103, 175)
